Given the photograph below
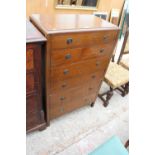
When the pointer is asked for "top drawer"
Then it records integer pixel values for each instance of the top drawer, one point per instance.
(70, 40)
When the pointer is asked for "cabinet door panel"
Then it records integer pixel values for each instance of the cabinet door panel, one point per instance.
(29, 59)
(34, 100)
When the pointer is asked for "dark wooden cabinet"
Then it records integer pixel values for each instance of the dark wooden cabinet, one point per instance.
(35, 96)
(79, 49)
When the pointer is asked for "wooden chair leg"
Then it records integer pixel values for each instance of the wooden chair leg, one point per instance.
(124, 89)
(108, 95)
(113, 58)
(126, 144)
(127, 88)
(92, 104)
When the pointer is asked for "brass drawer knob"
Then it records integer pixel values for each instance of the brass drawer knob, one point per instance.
(102, 50)
(97, 63)
(66, 71)
(93, 76)
(90, 89)
(69, 40)
(68, 56)
(105, 38)
(62, 98)
(64, 85)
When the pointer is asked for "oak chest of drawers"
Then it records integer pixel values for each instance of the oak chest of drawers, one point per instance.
(79, 49)
(35, 104)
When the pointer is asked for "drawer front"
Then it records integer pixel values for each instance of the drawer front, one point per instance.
(70, 106)
(61, 41)
(29, 59)
(81, 68)
(74, 82)
(63, 108)
(56, 111)
(69, 95)
(58, 98)
(66, 56)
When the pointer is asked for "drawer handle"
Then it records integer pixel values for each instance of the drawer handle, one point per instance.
(62, 98)
(68, 56)
(90, 88)
(63, 85)
(105, 38)
(69, 40)
(93, 76)
(66, 71)
(102, 50)
(97, 63)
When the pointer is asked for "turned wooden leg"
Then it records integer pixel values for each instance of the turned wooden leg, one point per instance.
(108, 97)
(123, 93)
(105, 104)
(92, 104)
(113, 58)
(127, 88)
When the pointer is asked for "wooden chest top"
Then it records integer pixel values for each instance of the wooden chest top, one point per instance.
(63, 23)
(32, 34)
